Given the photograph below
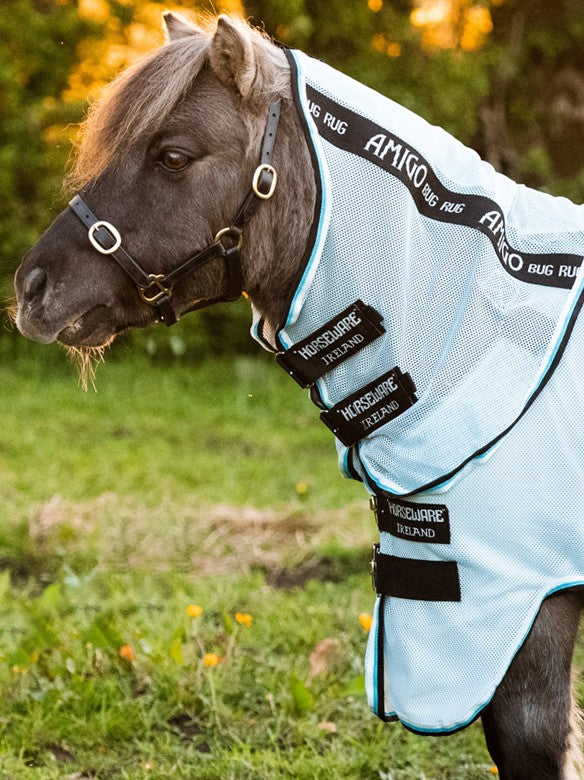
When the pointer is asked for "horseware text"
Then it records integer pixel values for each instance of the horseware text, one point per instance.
(331, 336)
(371, 407)
(371, 398)
(426, 515)
(336, 340)
(416, 522)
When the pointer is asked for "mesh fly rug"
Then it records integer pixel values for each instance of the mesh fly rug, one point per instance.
(436, 323)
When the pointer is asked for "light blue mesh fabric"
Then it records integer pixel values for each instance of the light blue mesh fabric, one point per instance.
(477, 342)
(517, 523)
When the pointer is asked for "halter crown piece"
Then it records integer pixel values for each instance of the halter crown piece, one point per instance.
(156, 289)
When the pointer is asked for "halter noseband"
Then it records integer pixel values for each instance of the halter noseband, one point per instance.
(156, 289)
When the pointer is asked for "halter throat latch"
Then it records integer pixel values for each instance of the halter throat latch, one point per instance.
(156, 289)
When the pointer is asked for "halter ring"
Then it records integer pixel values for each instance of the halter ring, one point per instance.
(264, 168)
(95, 243)
(226, 231)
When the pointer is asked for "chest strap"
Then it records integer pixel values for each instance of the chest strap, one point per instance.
(372, 406)
(338, 339)
(411, 578)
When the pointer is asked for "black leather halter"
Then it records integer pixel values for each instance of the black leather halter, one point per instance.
(156, 289)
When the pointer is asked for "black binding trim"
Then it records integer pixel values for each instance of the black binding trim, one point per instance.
(447, 732)
(411, 578)
(482, 450)
(350, 465)
(545, 379)
(297, 100)
(380, 667)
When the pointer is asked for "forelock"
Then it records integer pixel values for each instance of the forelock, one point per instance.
(138, 103)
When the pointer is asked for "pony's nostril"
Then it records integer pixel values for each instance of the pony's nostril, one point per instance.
(35, 284)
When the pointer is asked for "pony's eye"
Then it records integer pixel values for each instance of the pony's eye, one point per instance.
(174, 160)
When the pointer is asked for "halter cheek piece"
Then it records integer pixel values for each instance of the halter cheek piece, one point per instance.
(156, 289)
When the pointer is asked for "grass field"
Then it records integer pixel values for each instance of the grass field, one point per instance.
(183, 570)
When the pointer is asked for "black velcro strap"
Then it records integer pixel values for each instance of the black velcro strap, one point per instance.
(372, 406)
(411, 520)
(339, 338)
(410, 578)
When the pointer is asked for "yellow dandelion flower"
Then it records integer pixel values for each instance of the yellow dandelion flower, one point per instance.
(194, 610)
(494, 770)
(244, 618)
(127, 653)
(210, 659)
(365, 621)
(301, 488)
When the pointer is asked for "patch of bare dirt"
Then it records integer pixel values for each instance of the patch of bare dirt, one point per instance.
(208, 539)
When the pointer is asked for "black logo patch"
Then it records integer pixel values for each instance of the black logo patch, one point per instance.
(338, 339)
(413, 521)
(372, 406)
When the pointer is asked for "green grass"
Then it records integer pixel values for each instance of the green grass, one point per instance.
(210, 484)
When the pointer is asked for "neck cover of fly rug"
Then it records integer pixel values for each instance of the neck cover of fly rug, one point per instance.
(435, 321)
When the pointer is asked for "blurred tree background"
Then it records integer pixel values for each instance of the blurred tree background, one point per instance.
(504, 76)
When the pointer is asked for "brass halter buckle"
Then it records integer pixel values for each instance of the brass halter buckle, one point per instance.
(264, 168)
(156, 283)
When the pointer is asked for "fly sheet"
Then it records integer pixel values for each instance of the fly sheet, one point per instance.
(434, 320)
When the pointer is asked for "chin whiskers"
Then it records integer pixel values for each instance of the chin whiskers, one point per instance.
(11, 309)
(87, 359)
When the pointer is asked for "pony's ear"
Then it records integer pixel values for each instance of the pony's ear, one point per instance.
(176, 26)
(232, 55)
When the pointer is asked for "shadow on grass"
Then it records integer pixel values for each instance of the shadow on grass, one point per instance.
(334, 564)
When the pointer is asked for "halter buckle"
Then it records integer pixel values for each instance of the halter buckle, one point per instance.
(261, 169)
(111, 229)
(156, 282)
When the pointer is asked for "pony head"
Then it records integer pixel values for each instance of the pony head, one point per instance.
(167, 156)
